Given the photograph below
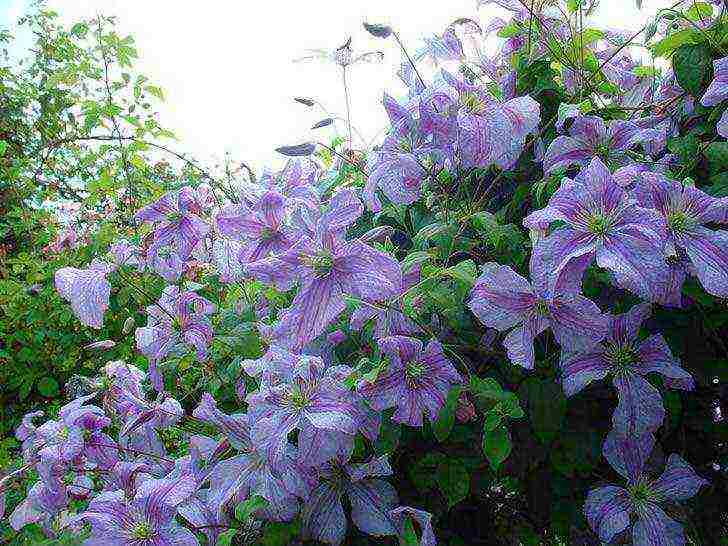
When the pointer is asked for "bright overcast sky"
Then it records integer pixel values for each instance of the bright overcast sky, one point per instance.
(226, 65)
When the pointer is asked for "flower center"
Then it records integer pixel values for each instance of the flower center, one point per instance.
(297, 399)
(472, 102)
(598, 225)
(62, 434)
(413, 371)
(321, 263)
(641, 493)
(677, 221)
(541, 308)
(602, 150)
(621, 357)
(266, 234)
(173, 217)
(142, 530)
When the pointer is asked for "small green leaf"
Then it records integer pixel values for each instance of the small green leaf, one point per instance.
(670, 43)
(408, 536)
(492, 421)
(3, 147)
(248, 507)
(453, 480)
(510, 30)
(226, 538)
(446, 419)
(497, 446)
(48, 387)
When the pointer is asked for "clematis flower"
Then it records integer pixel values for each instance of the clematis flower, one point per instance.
(627, 359)
(407, 156)
(260, 227)
(608, 508)
(327, 268)
(685, 212)
(176, 221)
(389, 319)
(590, 137)
(250, 473)
(41, 505)
(148, 518)
(502, 299)
(87, 290)
(718, 89)
(198, 512)
(303, 396)
(416, 381)
(178, 318)
(491, 132)
(605, 223)
(722, 126)
(65, 435)
(370, 497)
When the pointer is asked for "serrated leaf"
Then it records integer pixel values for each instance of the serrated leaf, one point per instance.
(497, 446)
(453, 480)
(446, 419)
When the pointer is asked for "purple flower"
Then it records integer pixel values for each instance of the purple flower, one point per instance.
(685, 212)
(87, 290)
(389, 319)
(200, 513)
(41, 505)
(148, 518)
(718, 89)
(250, 473)
(370, 497)
(416, 380)
(627, 359)
(590, 138)
(258, 227)
(608, 508)
(722, 126)
(407, 156)
(176, 221)
(178, 318)
(306, 397)
(502, 299)
(327, 268)
(603, 222)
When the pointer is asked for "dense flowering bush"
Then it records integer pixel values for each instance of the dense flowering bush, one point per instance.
(367, 319)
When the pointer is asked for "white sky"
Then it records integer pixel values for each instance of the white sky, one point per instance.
(226, 65)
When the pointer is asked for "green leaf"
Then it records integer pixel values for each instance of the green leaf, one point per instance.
(48, 387)
(492, 421)
(693, 67)
(670, 43)
(717, 156)
(408, 536)
(3, 147)
(249, 506)
(573, 5)
(497, 446)
(465, 272)
(453, 480)
(423, 472)
(699, 11)
(510, 30)
(486, 388)
(226, 538)
(446, 419)
(546, 407)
